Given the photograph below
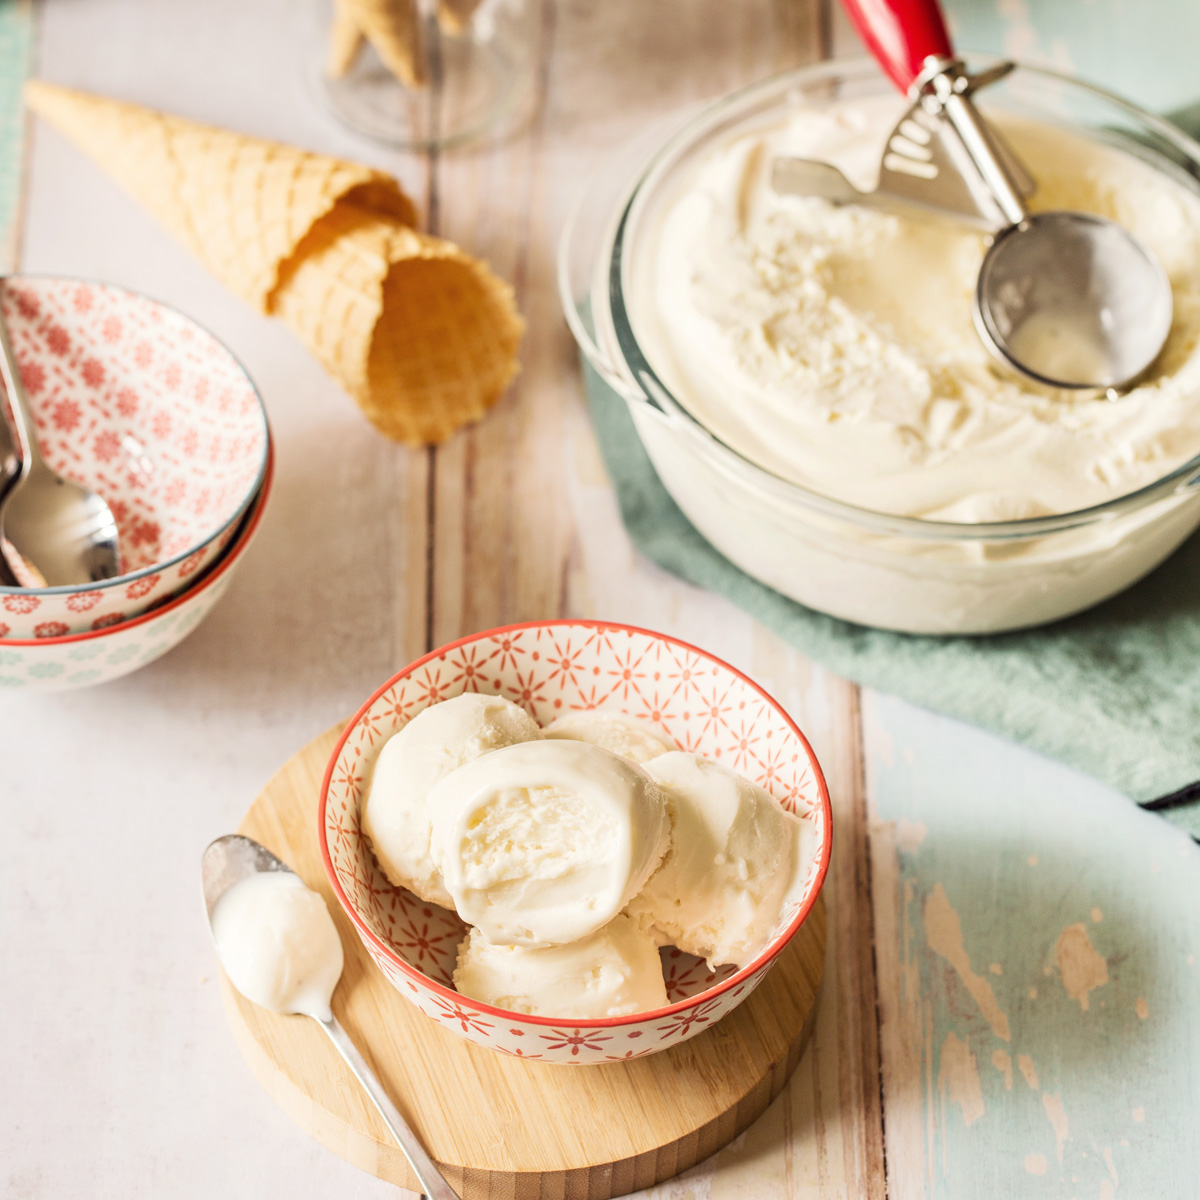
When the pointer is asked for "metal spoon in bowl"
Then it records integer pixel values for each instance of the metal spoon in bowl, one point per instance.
(233, 859)
(53, 532)
(10, 468)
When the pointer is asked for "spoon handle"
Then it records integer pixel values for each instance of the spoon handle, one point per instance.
(22, 420)
(10, 460)
(433, 1184)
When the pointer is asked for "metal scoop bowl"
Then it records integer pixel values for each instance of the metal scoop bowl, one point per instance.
(1073, 301)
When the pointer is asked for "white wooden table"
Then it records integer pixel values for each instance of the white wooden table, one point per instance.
(1011, 1002)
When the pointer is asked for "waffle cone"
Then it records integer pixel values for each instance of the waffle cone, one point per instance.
(422, 335)
(393, 28)
(455, 15)
(345, 41)
(242, 205)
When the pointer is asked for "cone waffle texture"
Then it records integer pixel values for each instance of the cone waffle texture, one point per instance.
(240, 204)
(423, 336)
(391, 26)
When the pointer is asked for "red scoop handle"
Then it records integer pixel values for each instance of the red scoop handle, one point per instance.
(901, 34)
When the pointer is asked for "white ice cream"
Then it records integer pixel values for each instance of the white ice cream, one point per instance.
(722, 884)
(395, 814)
(277, 943)
(835, 346)
(611, 973)
(634, 740)
(545, 842)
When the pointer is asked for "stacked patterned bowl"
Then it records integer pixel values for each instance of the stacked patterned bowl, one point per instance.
(139, 403)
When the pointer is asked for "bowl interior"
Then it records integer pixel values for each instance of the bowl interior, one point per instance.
(137, 402)
(550, 669)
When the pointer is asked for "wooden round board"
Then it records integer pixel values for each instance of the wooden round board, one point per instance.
(500, 1126)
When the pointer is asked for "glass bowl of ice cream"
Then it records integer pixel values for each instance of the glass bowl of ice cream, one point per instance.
(574, 841)
(811, 390)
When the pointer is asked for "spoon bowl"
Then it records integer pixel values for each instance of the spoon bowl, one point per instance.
(231, 860)
(53, 532)
(56, 533)
(1073, 300)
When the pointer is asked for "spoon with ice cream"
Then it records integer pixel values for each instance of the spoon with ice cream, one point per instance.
(1068, 299)
(280, 949)
(53, 532)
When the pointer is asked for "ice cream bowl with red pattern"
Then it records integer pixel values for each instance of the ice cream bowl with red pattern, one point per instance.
(552, 668)
(139, 403)
(58, 664)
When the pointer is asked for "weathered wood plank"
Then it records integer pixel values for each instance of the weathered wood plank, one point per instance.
(503, 534)
(1036, 942)
(526, 524)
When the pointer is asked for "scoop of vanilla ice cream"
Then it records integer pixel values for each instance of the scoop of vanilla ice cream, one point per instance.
(395, 810)
(277, 943)
(613, 972)
(622, 735)
(721, 886)
(545, 842)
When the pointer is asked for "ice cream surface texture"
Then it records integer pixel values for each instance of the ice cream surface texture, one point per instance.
(544, 842)
(613, 972)
(634, 740)
(395, 812)
(722, 885)
(277, 943)
(572, 861)
(834, 346)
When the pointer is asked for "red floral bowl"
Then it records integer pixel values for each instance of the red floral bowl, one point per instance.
(79, 660)
(553, 667)
(139, 403)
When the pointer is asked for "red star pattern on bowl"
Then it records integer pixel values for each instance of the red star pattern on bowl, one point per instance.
(139, 403)
(553, 667)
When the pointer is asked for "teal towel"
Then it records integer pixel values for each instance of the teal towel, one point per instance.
(1114, 692)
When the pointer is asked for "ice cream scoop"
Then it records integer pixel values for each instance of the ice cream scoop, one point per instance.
(280, 948)
(1069, 299)
(631, 739)
(613, 972)
(721, 886)
(395, 811)
(545, 842)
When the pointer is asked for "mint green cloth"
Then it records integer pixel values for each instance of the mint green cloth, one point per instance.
(1114, 692)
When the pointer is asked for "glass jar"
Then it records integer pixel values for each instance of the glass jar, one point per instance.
(426, 74)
